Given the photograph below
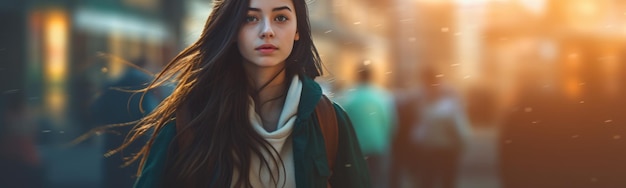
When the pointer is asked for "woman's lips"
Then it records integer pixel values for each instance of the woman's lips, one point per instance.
(266, 48)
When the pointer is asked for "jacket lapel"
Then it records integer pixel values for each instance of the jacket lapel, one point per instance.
(311, 94)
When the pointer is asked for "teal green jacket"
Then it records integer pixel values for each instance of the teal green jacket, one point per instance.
(372, 113)
(311, 164)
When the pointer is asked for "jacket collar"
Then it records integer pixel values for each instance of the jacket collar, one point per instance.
(311, 94)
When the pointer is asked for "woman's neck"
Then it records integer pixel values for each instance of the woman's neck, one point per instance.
(270, 87)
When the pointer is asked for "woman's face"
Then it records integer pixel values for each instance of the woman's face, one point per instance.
(268, 32)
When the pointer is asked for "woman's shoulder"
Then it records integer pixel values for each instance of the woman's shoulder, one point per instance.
(340, 112)
(165, 135)
(168, 128)
(152, 170)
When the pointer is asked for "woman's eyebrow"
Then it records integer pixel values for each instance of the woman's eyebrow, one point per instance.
(281, 8)
(273, 10)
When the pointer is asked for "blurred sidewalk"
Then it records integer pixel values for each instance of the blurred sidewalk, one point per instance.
(479, 165)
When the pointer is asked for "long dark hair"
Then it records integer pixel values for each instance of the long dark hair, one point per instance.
(211, 101)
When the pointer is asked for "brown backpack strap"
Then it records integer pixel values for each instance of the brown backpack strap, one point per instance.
(328, 123)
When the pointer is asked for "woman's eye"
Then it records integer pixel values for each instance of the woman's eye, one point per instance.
(251, 19)
(281, 18)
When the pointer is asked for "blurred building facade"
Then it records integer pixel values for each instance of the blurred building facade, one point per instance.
(347, 33)
(559, 100)
(60, 54)
(76, 47)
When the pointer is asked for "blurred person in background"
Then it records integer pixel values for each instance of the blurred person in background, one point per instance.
(442, 131)
(243, 112)
(117, 105)
(20, 163)
(403, 151)
(372, 113)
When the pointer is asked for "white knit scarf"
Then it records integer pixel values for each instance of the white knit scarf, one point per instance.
(280, 140)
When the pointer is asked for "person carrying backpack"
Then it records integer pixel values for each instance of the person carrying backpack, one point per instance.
(244, 114)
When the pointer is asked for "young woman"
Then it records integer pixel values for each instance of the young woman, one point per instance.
(242, 114)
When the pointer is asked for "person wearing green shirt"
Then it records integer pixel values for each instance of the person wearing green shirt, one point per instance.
(371, 110)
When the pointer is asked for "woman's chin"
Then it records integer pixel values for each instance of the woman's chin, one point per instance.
(267, 64)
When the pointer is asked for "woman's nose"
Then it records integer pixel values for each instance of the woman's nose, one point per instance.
(266, 30)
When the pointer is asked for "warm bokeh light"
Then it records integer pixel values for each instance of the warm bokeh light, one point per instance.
(573, 66)
(56, 45)
(610, 63)
(56, 100)
(56, 64)
(117, 50)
